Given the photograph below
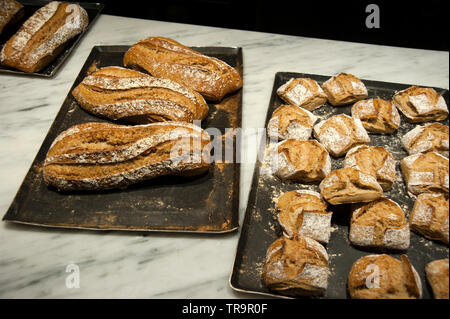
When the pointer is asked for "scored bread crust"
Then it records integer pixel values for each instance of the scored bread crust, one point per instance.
(303, 92)
(344, 88)
(122, 94)
(43, 36)
(377, 115)
(437, 273)
(11, 12)
(166, 58)
(426, 138)
(95, 156)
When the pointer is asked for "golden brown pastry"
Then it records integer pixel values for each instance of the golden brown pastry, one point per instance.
(344, 88)
(426, 138)
(384, 277)
(377, 115)
(166, 58)
(296, 267)
(437, 275)
(304, 92)
(11, 12)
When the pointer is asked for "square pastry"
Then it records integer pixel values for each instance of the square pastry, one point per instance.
(431, 137)
(344, 88)
(377, 115)
(304, 92)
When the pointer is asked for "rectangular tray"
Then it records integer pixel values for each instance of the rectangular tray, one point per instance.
(260, 227)
(207, 203)
(30, 6)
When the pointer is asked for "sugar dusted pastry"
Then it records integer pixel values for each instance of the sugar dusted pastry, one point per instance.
(437, 276)
(421, 104)
(340, 133)
(304, 213)
(426, 138)
(379, 224)
(375, 161)
(429, 216)
(290, 121)
(304, 92)
(344, 88)
(377, 115)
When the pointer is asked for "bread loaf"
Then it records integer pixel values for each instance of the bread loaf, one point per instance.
(344, 88)
(94, 156)
(11, 12)
(437, 276)
(43, 36)
(122, 94)
(303, 92)
(377, 115)
(426, 138)
(166, 58)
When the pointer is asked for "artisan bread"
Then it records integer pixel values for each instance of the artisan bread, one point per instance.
(429, 216)
(11, 12)
(304, 92)
(43, 36)
(375, 161)
(349, 185)
(304, 213)
(290, 121)
(377, 115)
(379, 224)
(94, 156)
(426, 138)
(122, 94)
(421, 104)
(166, 58)
(384, 277)
(344, 88)
(340, 133)
(437, 276)
(425, 173)
(296, 267)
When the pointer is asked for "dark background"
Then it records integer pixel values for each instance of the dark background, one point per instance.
(402, 23)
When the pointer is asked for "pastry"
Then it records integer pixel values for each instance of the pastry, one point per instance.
(290, 121)
(379, 224)
(340, 133)
(304, 213)
(296, 267)
(344, 88)
(94, 156)
(43, 36)
(166, 58)
(437, 276)
(349, 185)
(429, 216)
(384, 277)
(11, 12)
(304, 92)
(421, 104)
(377, 115)
(426, 138)
(122, 94)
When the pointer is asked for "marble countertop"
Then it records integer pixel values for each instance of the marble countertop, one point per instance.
(33, 260)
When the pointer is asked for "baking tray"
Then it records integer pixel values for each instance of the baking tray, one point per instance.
(260, 227)
(208, 203)
(93, 10)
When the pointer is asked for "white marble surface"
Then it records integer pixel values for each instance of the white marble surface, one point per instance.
(160, 265)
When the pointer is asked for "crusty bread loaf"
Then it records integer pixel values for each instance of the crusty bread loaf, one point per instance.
(123, 94)
(290, 121)
(43, 36)
(166, 58)
(11, 12)
(304, 92)
(384, 277)
(344, 88)
(94, 156)
(377, 115)
(437, 276)
(379, 224)
(426, 138)
(421, 104)
(429, 216)
(297, 267)
(304, 213)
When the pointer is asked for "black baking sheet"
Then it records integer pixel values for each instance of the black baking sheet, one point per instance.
(260, 227)
(207, 203)
(93, 10)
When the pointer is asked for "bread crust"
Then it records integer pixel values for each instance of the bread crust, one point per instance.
(377, 115)
(437, 275)
(430, 137)
(344, 88)
(303, 92)
(11, 12)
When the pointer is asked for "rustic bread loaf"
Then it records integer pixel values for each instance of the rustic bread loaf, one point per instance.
(426, 138)
(43, 36)
(304, 92)
(94, 156)
(11, 12)
(122, 94)
(377, 115)
(344, 88)
(384, 277)
(379, 224)
(304, 213)
(429, 216)
(166, 58)
(437, 276)
(296, 267)
(290, 121)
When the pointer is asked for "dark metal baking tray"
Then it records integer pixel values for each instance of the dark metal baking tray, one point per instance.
(207, 203)
(30, 6)
(260, 227)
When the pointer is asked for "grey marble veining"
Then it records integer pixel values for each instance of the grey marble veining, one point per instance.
(33, 260)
